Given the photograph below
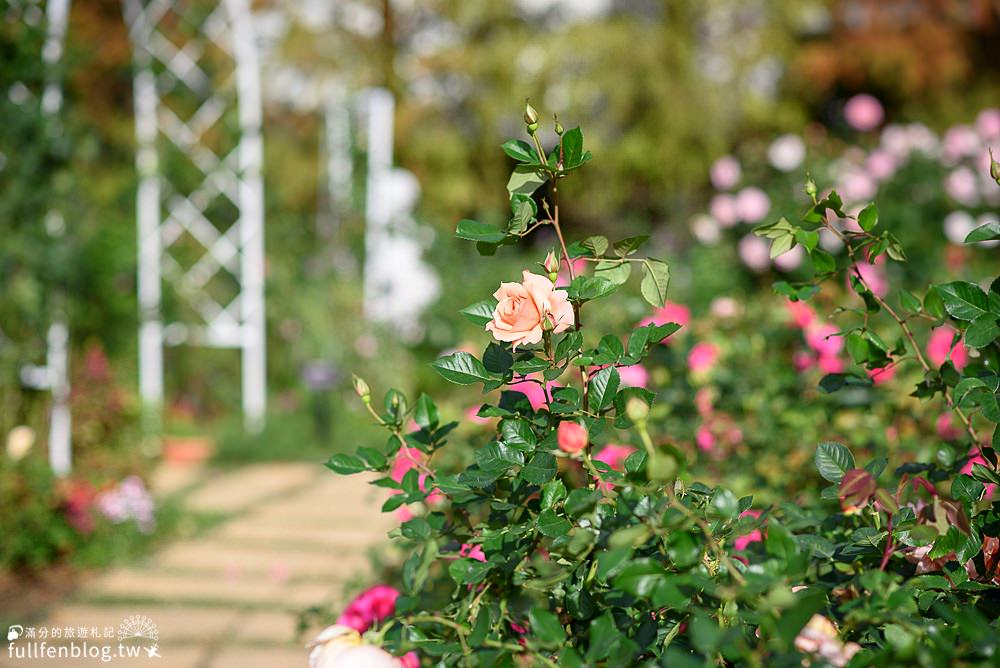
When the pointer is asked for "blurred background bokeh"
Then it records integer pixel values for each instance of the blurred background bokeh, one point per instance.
(704, 117)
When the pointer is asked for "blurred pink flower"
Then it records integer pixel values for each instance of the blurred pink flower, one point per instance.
(705, 438)
(957, 226)
(472, 415)
(787, 152)
(831, 364)
(874, 276)
(801, 314)
(803, 360)
(472, 552)
(857, 186)
(409, 660)
(533, 390)
(863, 112)
(939, 346)
(722, 208)
(633, 376)
(370, 606)
(752, 205)
(961, 186)
(703, 401)
(754, 536)
(988, 124)
(946, 427)
(824, 339)
(702, 357)
(790, 259)
(881, 164)
(881, 375)
(755, 253)
(562, 280)
(959, 142)
(976, 457)
(725, 172)
(614, 455)
(669, 312)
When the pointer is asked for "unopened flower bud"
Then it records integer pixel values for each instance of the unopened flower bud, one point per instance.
(994, 168)
(530, 117)
(636, 409)
(361, 388)
(810, 187)
(559, 127)
(551, 266)
(572, 436)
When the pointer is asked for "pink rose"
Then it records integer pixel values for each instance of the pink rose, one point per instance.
(725, 172)
(801, 313)
(669, 312)
(988, 124)
(863, 112)
(976, 457)
(754, 536)
(562, 279)
(874, 276)
(881, 164)
(723, 209)
(633, 376)
(702, 357)
(946, 428)
(831, 364)
(614, 455)
(523, 310)
(370, 606)
(472, 552)
(940, 350)
(881, 375)
(536, 395)
(755, 253)
(752, 204)
(824, 339)
(572, 437)
(705, 438)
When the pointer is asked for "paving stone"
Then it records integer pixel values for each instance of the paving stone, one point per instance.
(168, 479)
(304, 538)
(175, 624)
(215, 556)
(260, 657)
(265, 627)
(232, 491)
(204, 589)
(173, 657)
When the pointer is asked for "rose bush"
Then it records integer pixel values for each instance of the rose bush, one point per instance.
(577, 532)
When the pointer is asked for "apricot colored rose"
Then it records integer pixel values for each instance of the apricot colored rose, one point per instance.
(572, 437)
(523, 309)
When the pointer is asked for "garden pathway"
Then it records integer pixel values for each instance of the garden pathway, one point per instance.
(294, 535)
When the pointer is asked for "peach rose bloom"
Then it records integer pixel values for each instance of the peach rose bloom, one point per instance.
(523, 309)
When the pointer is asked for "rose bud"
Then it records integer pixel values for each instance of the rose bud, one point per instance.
(551, 266)
(530, 117)
(636, 410)
(572, 437)
(361, 388)
(559, 126)
(994, 168)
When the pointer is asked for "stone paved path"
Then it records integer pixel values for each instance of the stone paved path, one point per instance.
(296, 536)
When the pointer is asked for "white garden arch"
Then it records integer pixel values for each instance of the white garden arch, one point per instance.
(197, 99)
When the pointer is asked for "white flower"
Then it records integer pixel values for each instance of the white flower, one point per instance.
(957, 226)
(755, 253)
(726, 172)
(340, 646)
(19, 442)
(787, 152)
(705, 229)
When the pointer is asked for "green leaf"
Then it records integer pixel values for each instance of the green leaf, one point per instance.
(983, 331)
(524, 215)
(426, 413)
(540, 469)
(572, 143)
(857, 346)
(546, 629)
(963, 301)
(551, 525)
(629, 245)
(552, 493)
(909, 301)
(616, 272)
(597, 245)
(520, 150)
(497, 359)
(655, 280)
(480, 313)
(781, 245)
(833, 460)
(473, 230)
(496, 458)
(988, 232)
(868, 218)
(586, 288)
(461, 368)
(603, 387)
(525, 181)
(603, 636)
(345, 464)
(468, 571)
(966, 488)
(822, 261)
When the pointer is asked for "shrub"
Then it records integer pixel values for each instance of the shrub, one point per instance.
(577, 535)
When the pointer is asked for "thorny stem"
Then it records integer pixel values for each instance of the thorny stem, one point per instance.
(889, 546)
(907, 332)
(464, 631)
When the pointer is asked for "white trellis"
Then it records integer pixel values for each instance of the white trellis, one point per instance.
(197, 103)
(54, 375)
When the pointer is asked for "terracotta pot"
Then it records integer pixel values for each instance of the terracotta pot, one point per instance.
(187, 449)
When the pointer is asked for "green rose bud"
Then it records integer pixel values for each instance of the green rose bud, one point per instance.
(559, 127)
(361, 388)
(636, 409)
(530, 117)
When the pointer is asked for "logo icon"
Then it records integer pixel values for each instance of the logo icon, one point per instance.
(140, 630)
(14, 632)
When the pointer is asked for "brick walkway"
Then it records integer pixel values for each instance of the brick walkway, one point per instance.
(296, 535)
